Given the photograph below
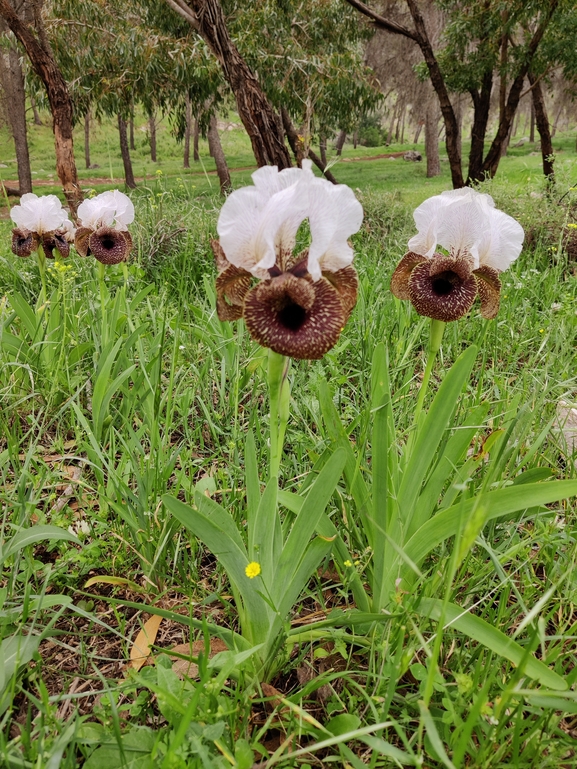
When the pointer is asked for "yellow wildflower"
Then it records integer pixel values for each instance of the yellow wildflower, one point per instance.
(252, 570)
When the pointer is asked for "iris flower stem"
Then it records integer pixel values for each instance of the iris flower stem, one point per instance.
(435, 339)
(279, 394)
(42, 270)
(102, 287)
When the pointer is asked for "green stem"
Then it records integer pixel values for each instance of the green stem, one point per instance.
(102, 289)
(42, 269)
(435, 338)
(279, 396)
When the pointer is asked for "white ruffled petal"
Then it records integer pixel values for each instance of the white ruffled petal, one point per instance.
(109, 209)
(39, 214)
(334, 215)
(503, 242)
(257, 223)
(465, 220)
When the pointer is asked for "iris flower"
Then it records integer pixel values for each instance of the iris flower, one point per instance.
(480, 242)
(40, 221)
(103, 231)
(301, 302)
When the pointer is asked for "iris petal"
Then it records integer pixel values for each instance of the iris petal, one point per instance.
(489, 289)
(443, 288)
(294, 316)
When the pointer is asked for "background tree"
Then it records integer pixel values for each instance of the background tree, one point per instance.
(28, 26)
(469, 55)
(14, 104)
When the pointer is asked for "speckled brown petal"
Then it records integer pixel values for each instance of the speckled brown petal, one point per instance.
(489, 288)
(55, 240)
(24, 242)
(402, 273)
(231, 288)
(109, 246)
(81, 240)
(443, 288)
(219, 256)
(346, 283)
(294, 316)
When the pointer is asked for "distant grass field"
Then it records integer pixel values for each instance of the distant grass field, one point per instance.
(521, 167)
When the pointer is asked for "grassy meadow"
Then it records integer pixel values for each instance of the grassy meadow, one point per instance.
(121, 385)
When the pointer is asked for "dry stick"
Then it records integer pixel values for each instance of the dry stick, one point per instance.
(64, 498)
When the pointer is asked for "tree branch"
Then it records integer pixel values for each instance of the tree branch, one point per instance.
(183, 10)
(381, 22)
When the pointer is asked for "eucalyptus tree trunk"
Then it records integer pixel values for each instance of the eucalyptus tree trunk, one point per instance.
(152, 134)
(543, 127)
(262, 124)
(39, 52)
(340, 142)
(432, 140)
(187, 130)
(195, 140)
(12, 80)
(125, 152)
(87, 138)
(37, 120)
(217, 154)
(131, 133)
(323, 149)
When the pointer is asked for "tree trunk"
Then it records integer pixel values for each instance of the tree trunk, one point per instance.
(403, 125)
(131, 133)
(262, 124)
(217, 154)
(532, 124)
(37, 120)
(87, 138)
(298, 150)
(417, 135)
(152, 135)
(12, 79)
(45, 66)
(482, 106)
(125, 152)
(451, 126)
(355, 138)
(391, 126)
(432, 139)
(340, 142)
(187, 130)
(196, 138)
(543, 128)
(323, 149)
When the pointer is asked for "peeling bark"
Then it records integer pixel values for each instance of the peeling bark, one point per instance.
(262, 124)
(45, 66)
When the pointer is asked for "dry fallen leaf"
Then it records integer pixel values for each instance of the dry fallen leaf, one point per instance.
(143, 642)
(190, 669)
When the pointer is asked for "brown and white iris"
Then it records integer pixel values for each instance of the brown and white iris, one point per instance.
(103, 229)
(294, 304)
(41, 222)
(482, 242)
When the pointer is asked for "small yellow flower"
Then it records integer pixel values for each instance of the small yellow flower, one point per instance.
(252, 570)
(348, 564)
(572, 225)
(541, 330)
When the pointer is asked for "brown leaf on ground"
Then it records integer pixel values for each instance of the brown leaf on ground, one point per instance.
(566, 425)
(185, 667)
(143, 642)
